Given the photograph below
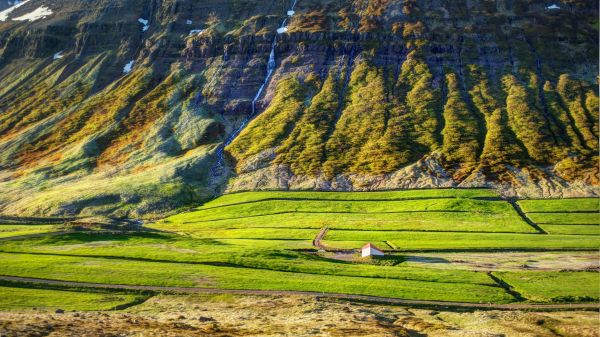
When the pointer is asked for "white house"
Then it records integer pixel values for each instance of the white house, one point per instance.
(370, 250)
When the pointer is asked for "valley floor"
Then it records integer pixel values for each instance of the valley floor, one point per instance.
(289, 263)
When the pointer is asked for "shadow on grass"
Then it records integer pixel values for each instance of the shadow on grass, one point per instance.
(425, 259)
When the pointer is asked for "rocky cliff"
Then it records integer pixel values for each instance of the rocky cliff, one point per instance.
(140, 107)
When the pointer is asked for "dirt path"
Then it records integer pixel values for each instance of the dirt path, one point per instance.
(363, 298)
(317, 241)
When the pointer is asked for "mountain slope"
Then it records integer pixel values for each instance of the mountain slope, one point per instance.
(136, 108)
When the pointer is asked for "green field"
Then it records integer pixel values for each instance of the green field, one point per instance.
(470, 210)
(22, 298)
(459, 241)
(113, 271)
(555, 286)
(572, 229)
(10, 230)
(243, 197)
(561, 205)
(263, 241)
(566, 218)
(430, 221)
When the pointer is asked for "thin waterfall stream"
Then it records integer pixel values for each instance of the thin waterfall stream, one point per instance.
(271, 66)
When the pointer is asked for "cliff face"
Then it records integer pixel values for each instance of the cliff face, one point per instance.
(136, 108)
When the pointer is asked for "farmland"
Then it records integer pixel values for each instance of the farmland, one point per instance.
(264, 241)
(565, 216)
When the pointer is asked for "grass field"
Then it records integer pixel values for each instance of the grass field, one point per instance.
(243, 197)
(263, 241)
(459, 241)
(112, 271)
(561, 205)
(470, 210)
(22, 298)
(555, 286)
(267, 207)
(10, 230)
(572, 229)
(431, 221)
(565, 216)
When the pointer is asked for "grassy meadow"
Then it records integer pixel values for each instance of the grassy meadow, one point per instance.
(579, 216)
(561, 286)
(11, 230)
(264, 241)
(12, 298)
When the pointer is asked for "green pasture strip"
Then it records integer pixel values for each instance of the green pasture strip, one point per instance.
(572, 229)
(9, 230)
(312, 264)
(148, 246)
(561, 205)
(242, 197)
(431, 221)
(261, 254)
(565, 218)
(257, 233)
(261, 208)
(541, 286)
(110, 271)
(459, 241)
(12, 298)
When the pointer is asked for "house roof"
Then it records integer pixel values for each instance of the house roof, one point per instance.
(370, 245)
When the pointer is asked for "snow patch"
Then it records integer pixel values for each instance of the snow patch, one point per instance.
(38, 13)
(16, 4)
(291, 12)
(196, 31)
(188, 22)
(127, 68)
(58, 56)
(553, 6)
(145, 23)
(282, 30)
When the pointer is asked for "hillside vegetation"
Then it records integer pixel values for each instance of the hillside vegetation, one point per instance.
(101, 114)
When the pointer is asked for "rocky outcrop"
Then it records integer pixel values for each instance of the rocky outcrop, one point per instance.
(427, 172)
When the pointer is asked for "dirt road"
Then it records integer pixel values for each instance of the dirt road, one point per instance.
(319, 237)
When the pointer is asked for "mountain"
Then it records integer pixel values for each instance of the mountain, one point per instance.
(138, 108)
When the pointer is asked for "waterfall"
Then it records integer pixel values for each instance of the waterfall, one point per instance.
(271, 66)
